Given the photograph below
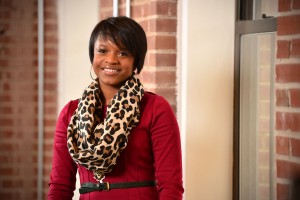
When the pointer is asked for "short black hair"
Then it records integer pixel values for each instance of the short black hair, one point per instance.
(124, 32)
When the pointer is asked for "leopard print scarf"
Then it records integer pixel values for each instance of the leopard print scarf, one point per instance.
(97, 144)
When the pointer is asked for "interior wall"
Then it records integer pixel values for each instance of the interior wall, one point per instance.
(76, 22)
(209, 62)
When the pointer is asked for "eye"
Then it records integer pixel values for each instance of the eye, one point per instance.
(102, 51)
(123, 53)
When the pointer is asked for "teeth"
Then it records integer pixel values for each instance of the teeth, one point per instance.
(110, 70)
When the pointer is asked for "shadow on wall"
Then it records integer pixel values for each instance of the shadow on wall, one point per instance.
(296, 188)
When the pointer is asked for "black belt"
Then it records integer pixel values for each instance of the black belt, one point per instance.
(105, 186)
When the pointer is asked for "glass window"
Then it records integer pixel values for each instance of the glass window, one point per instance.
(257, 9)
(266, 8)
(256, 117)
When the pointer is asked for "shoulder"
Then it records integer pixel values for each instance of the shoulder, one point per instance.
(68, 110)
(70, 107)
(156, 103)
(154, 99)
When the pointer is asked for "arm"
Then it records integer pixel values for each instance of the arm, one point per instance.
(63, 174)
(167, 151)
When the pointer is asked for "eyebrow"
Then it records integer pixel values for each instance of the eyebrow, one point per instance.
(101, 45)
(105, 45)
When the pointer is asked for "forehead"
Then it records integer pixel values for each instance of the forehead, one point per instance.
(108, 41)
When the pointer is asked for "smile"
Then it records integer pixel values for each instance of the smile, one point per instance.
(110, 71)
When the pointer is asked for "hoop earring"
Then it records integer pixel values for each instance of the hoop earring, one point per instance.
(91, 74)
(134, 71)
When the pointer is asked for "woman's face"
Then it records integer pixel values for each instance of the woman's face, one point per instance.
(111, 64)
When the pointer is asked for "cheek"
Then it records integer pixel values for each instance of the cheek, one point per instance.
(131, 69)
(130, 63)
(95, 60)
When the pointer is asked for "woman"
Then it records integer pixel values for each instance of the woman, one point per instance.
(124, 142)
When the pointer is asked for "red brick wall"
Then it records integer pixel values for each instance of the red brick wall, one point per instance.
(159, 20)
(288, 98)
(50, 85)
(18, 100)
(18, 96)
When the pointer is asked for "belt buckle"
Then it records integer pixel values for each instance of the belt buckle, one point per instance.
(104, 184)
(107, 186)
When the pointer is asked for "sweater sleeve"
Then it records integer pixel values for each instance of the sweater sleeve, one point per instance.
(167, 151)
(63, 174)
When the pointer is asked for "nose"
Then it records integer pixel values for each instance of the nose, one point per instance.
(111, 58)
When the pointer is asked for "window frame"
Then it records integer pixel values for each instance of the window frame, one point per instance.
(244, 24)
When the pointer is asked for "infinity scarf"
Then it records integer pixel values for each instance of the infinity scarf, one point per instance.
(97, 144)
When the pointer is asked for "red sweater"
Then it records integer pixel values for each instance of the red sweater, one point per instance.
(153, 153)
